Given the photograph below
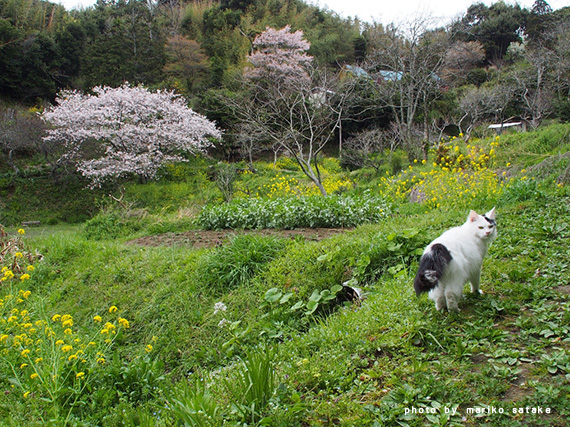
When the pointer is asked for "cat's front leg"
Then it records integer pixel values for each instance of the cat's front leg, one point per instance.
(452, 300)
(475, 282)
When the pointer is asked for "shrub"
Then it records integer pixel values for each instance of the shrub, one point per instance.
(287, 213)
(232, 265)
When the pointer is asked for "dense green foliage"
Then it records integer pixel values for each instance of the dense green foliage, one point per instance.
(258, 331)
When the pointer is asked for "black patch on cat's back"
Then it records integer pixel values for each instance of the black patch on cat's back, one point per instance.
(432, 267)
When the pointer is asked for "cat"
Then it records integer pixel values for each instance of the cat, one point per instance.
(455, 258)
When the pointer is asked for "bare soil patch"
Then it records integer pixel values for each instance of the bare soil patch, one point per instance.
(212, 238)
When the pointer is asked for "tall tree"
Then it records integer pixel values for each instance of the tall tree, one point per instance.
(495, 27)
(405, 66)
(137, 131)
(287, 103)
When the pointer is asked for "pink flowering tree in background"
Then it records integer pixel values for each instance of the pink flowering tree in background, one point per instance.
(290, 104)
(117, 132)
(280, 57)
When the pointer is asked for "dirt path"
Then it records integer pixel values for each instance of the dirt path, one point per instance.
(213, 238)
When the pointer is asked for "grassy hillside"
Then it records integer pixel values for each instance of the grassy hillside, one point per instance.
(254, 333)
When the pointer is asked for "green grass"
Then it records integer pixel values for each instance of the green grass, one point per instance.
(389, 359)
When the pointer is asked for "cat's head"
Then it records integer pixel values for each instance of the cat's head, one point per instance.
(484, 226)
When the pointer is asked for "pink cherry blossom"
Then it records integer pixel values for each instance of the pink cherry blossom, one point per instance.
(280, 56)
(135, 131)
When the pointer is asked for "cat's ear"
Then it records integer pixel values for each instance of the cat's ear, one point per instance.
(473, 216)
(491, 214)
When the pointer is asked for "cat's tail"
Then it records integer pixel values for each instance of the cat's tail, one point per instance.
(432, 267)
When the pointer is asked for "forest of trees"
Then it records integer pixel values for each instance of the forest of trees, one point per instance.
(381, 86)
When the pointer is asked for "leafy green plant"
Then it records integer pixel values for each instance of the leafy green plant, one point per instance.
(192, 404)
(295, 212)
(252, 383)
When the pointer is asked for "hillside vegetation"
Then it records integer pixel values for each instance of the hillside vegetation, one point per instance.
(261, 331)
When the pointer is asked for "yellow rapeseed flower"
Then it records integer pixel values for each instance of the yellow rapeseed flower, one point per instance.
(113, 309)
(26, 394)
(56, 317)
(30, 268)
(148, 348)
(66, 348)
(34, 376)
(79, 375)
(124, 323)
(97, 319)
(21, 231)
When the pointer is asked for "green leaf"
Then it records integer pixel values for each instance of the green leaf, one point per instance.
(315, 296)
(273, 295)
(410, 232)
(297, 306)
(335, 289)
(285, 298)
(312, 306)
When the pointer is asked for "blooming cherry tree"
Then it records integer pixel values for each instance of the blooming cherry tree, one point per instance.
(280, 55)
(136, 131)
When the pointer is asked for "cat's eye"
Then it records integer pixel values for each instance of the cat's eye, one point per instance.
(481, 227)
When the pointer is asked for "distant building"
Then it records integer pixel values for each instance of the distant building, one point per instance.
(509, 124)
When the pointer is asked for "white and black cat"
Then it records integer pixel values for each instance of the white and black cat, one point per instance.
(455, 258)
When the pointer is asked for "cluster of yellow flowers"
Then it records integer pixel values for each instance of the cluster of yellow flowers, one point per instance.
(48, 354)
(283, 186)
(458, 178)
(15, 261)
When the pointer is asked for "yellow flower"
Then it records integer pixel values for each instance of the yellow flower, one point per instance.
(30, 268)
(101, 360)
(21, 231)
(72, 357)
(26, 394)
(59, 342)
(66, 348)
(18, 255)
(25, 352)
(39, 359)
(79, 375)
(27, 294)
(113, 309)
(34, 376)
(97, 319)
(124, 323)
(55, 317)
(148, 348)
(8, 274)
(68, 323)
(23, 365)
(68, 331)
